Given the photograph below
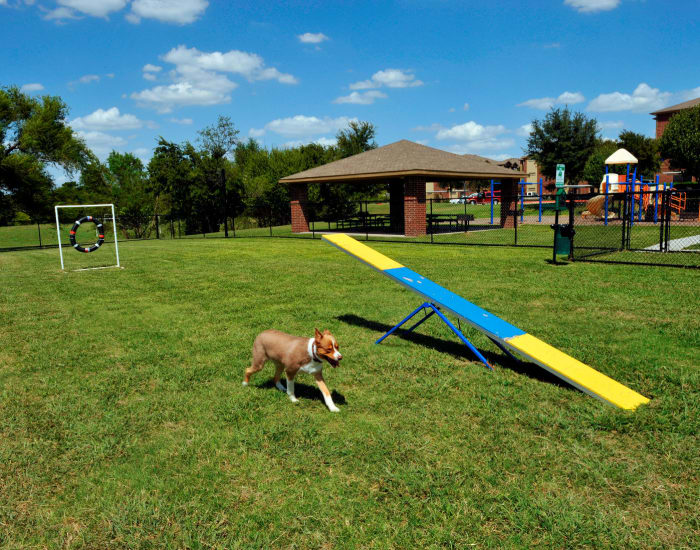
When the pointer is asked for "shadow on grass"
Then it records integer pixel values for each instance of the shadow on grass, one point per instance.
(304, 391)
(457, 350)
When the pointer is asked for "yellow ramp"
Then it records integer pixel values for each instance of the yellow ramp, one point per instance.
(576, 373)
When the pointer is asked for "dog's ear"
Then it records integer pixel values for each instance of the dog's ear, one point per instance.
(317, 335)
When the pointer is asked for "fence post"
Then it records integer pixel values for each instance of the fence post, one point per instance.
(539, 219)
(39, 229)
(157, 227)
(572, 206)
(313, 224)
(430, 225)
(522, 199)
(364, 219)
(515, 222)
(492, 202)
(661, 226)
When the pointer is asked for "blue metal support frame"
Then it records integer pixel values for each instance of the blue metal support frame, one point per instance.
(436, 310)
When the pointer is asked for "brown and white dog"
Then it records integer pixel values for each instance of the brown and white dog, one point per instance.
(293, 354)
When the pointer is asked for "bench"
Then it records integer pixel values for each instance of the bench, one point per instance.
(458, 222)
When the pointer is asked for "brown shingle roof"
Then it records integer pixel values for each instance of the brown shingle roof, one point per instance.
(400, 159)
(679, 107)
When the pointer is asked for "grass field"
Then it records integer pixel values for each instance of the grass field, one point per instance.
(123, 423)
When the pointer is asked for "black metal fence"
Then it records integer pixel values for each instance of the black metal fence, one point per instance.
(646, 227)
(456, 222)
(639, 227)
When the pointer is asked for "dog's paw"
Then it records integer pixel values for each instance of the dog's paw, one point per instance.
(293, 399)
(245, 383)
(334, 409)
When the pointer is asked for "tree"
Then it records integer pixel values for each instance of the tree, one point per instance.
(646, 150)
(34, 134)
(219, 141)
(680, 142)
(562, 137)
(134, 204)
(357, 138)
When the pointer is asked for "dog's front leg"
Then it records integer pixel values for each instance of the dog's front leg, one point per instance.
(326, 394)
(290, 386)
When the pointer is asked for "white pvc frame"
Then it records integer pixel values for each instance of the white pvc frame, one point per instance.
(58, 231)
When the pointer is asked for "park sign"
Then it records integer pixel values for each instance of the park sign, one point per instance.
(560, 175)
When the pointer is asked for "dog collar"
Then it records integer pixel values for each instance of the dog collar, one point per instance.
(312, 350)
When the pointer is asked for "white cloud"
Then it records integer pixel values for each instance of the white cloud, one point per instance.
(248, 65)
(611, 124)
(361, 98)
(110, 119)
(311, 38)
(256, 132)
(68, 9)
(110, 75)
(687, 95)
(200, 78)
(89, 78)
(100, 143)
(149, 76)
(525, 130)
(644, 98)
(326, 142)
(167, 11)
(545, 103)
(60, 14)
(32, 87)
(183, 121)
(476, 137)
(391, 78)
(592, 6)
(148, 68)
(305, 126)
(466, 107)
(470, 131)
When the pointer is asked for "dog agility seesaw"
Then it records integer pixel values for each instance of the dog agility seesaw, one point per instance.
(506, 336)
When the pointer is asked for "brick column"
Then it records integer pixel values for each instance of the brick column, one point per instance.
(509, 202)
(396, 206)
(298, 199)
(414, 206)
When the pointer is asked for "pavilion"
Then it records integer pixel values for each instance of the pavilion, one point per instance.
(405, 167)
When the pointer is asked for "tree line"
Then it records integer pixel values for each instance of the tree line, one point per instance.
(200, 183)
(221, 176)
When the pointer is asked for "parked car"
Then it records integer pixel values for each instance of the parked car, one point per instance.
(484, 197)
(460, 200)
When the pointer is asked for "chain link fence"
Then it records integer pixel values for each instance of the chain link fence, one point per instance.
(644, 227)
(650, 227)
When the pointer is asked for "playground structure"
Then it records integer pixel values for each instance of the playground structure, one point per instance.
(639, 194)
(507, 337)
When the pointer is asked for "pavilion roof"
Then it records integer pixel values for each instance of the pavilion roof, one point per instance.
(403, 158)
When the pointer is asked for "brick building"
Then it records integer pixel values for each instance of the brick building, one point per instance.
(662, 117)
(406, 167)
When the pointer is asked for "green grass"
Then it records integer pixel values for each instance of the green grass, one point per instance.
(123, 423)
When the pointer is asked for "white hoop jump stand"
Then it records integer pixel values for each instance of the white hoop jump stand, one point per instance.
(75, 227)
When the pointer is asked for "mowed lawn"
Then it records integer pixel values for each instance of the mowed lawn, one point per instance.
(123, 422)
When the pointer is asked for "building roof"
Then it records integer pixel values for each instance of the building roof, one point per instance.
(402, 158)
(621, 156)
(679, 107)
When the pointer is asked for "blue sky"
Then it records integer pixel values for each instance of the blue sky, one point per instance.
(464, 76)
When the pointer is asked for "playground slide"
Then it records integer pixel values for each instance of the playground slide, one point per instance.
(555, 361)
